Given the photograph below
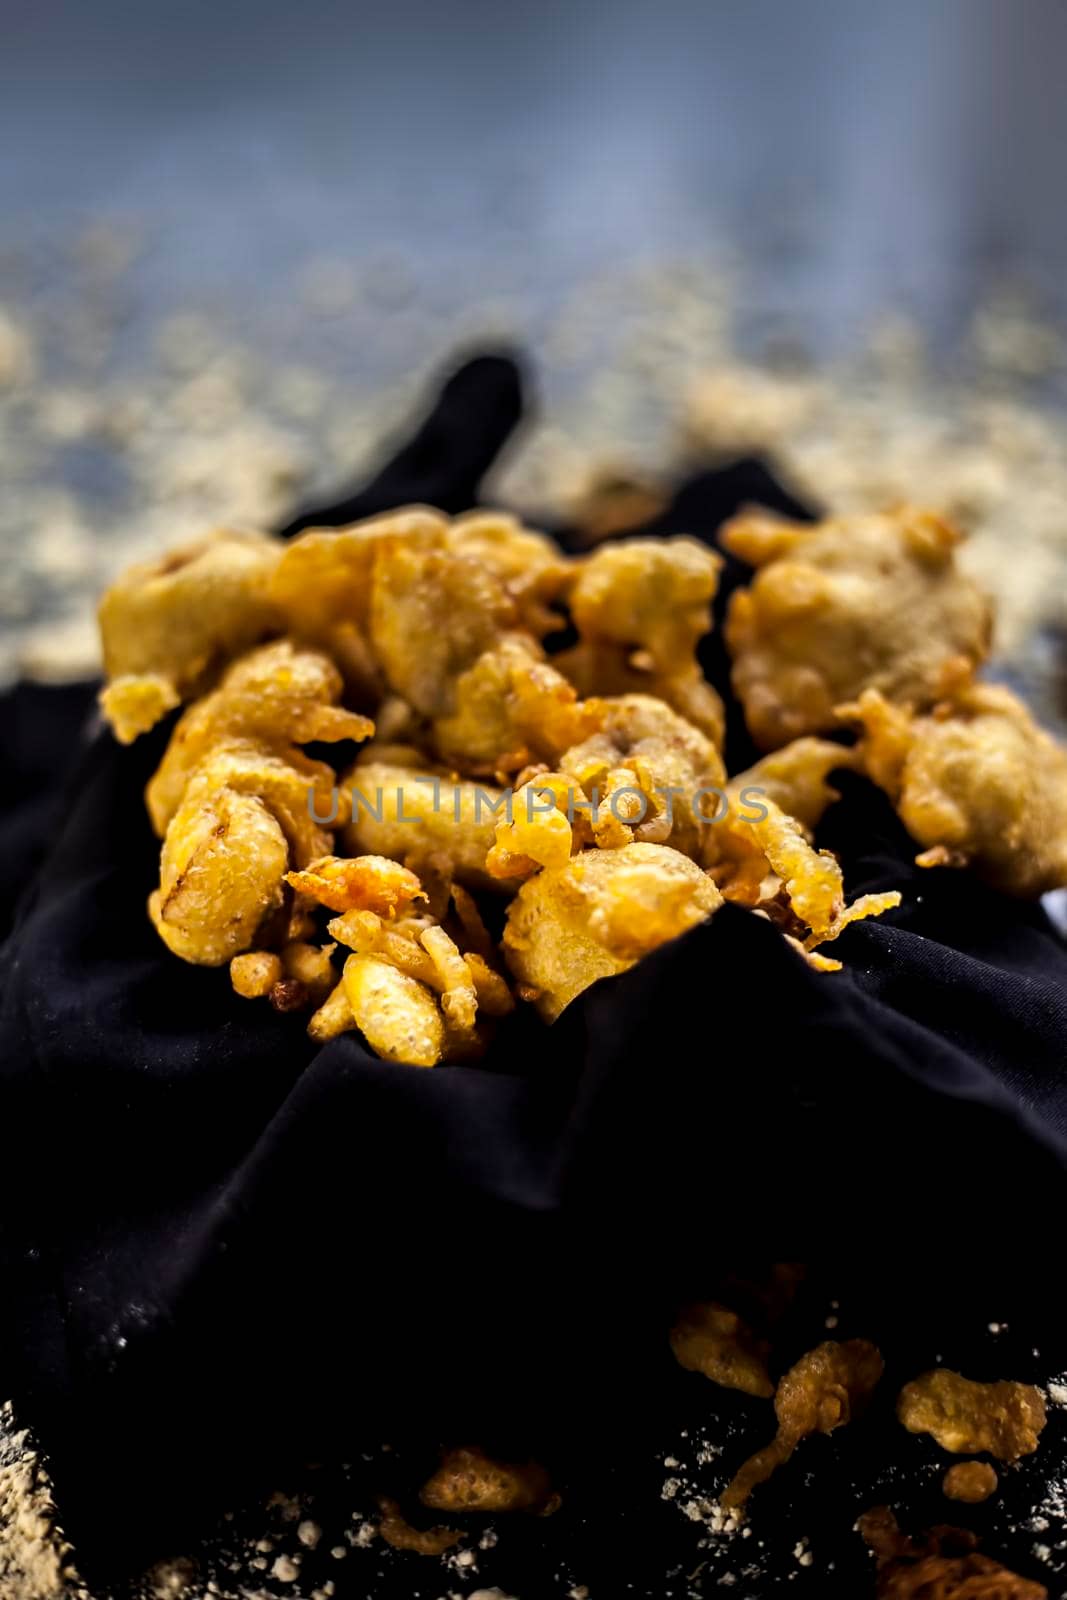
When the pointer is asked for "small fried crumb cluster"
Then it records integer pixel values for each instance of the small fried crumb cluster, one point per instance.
(970, 1481)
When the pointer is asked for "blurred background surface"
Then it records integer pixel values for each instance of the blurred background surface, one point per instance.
(235, 241)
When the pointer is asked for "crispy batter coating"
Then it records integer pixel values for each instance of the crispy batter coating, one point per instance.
(744, 850)
(943, 1565)
(976, 782)
(850, 604)
(510, 707)
(397, 1015)
(597, 668)
(970, 1481)
(232, 780)
(640, 609)
(274, 698)
(651, 595)
(1002, 1419)
(669, 774)
(823, 1391)
(323, 578)
(598, 915)
(469, 1480)
(407, 812)
(796, 778)
(167, 625)
(712, 1339)
(333, 1017)
(359, 883)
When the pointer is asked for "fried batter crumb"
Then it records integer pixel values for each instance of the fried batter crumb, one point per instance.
(970, 1481)
(825, 1388)
(470, 1480)
(1002, 1419)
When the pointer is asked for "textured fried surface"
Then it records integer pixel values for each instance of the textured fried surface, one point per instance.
(469, 1480)
(714, 1340)
(977, 783)
(166, 625)
(405, 812)
(1002, 1419)
(823, 1391)
(640, 609)
(850, 604)
(599, 914)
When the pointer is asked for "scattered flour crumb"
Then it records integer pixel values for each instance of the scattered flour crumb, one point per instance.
(309, 1533)
(285, 1570)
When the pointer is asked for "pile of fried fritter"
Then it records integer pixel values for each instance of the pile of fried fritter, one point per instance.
(582, 789)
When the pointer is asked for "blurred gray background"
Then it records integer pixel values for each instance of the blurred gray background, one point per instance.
(858, 153)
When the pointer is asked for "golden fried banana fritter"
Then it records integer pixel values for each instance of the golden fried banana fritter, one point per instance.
(648, 595)
(640, 609)
(408, 813)
(976, 782)
(853, 603)
(1002, 1419)
(598, 915)
(166, 626)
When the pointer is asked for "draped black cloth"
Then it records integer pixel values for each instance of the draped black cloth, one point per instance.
(221, 1243)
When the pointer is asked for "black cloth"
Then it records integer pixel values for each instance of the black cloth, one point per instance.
(221, 1243)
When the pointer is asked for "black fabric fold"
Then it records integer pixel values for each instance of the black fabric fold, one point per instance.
(199, 1208)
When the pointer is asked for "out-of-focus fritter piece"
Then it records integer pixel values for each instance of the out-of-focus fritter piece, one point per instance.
(598, 915)
(640, 609)
(166, 626)
(469, 1480)
(849, 604)
(674, 772)
(824, 1390)
(712, 1339)
(650, 595)
(942, 1565)
(532, 568)
(404, 812)
(359, 883)
(221, 875)
(324, 575)
(397, 1015)
(970, 1481)
(276, 697)
(976, 782)
(1002, 1419)
(399, 1533)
